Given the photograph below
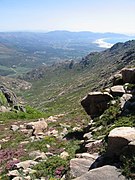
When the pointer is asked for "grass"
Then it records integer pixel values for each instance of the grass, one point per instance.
(60, 91)
(3, 100)
(30, 113)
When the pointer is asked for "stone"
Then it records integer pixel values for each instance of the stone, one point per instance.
(64, 155)
(53, 132)
(87, 156)
(128, 75)
(119, 138)
(94, 146)
(38, 155)
(14, 127)
(64, 132)
(24, 142)
(13, 173)
(103, 173)
(79, 166)
(117, 79)
(124, 101)
(17, 178)
(26, 164)
(38, 127)
(3, 109)
(22, 126)
(10, 96)
(29, 171)
(87, 136)
(95, 103)
(117, 90)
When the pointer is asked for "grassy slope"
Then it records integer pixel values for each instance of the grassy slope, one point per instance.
(61, 90)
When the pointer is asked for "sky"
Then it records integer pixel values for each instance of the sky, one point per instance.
(74, 15)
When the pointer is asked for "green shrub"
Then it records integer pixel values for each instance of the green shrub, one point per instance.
(54, 167)
(3, 100)
(31, 113)
(128, 165)
(41, 145)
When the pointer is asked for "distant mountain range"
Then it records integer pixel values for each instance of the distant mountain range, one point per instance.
(22, 51)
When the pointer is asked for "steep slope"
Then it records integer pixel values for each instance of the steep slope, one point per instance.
(53, 85)
(44, 147)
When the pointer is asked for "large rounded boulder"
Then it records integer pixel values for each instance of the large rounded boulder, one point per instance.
(95, 103)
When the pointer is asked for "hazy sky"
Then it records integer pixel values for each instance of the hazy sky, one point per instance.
(73, 15)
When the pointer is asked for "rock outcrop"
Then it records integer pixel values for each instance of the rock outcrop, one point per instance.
(11, 101)
(118, 140)
(102, 173)
(128, 75)
(10, 96)
(95, 103)
(117, 90)
(79, 166)
(121, 140)
(38, 127)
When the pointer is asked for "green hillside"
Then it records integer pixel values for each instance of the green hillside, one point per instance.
(57, 124)
(61, 87)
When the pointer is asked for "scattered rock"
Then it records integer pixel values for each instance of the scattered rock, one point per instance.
(53, 133)
(14, 127)
(38, 127)
(117, 90)
(4, 109)
(79, 166)
(13, 173)
(87, 136)
(102, 173)
(26, 164)
(64, 132)
(55, 118)
(38, 156)
(17, 178)
(64, 155)
(124, 100)
(96, 103)
(94, 146)
(24, 142)
(87, 156)
(119, 138)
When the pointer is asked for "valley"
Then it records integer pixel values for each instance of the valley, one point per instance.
(45, 130)
(22, 51)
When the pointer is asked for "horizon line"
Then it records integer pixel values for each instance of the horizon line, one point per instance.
(46, 31)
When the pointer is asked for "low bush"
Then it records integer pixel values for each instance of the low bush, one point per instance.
(54, 167)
